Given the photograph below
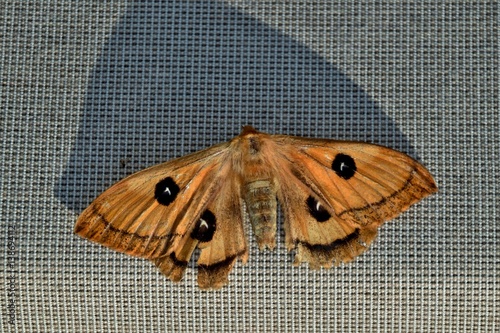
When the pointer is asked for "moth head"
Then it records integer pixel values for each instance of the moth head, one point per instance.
(250, 145)
(248, 130)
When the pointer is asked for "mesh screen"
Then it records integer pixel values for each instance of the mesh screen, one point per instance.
(93, 91)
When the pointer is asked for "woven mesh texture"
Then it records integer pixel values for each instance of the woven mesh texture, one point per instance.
(93, 91)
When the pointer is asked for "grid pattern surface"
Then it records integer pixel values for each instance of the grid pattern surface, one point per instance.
(93, 91)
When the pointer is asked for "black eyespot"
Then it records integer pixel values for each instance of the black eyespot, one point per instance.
(344, 166)
(317, 210)
(205, 227)
(166, 191)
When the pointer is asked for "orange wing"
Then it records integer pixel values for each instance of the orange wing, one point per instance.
(336, 194)
(164, 212)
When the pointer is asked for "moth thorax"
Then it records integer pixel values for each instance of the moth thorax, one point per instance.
(260, 199)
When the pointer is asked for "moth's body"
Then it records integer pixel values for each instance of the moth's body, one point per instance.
(258, 184)
(334, 196)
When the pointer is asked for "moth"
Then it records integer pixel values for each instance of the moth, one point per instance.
(334, 196)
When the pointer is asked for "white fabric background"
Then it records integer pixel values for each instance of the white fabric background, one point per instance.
(93, 91)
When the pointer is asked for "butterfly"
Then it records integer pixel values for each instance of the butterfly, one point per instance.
(334, 196)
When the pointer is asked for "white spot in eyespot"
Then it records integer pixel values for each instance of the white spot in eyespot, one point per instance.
(342, 165)
(167, 190)
(318, 206)
(203, 224)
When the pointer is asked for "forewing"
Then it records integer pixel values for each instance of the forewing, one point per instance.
(152, 213)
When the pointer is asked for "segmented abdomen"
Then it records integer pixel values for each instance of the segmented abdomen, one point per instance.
(260, 199)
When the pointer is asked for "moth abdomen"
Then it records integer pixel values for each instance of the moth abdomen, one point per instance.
(260, 199)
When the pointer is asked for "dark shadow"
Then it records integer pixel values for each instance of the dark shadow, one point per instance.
(176, 78)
